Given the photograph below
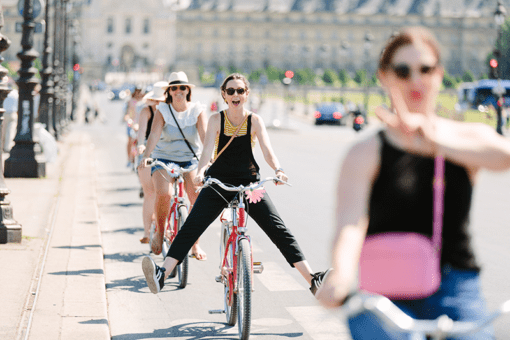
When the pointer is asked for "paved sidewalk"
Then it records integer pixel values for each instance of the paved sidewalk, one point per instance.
(61, 240)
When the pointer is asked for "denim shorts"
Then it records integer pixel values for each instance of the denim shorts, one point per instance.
(459, 297)
(168, 162)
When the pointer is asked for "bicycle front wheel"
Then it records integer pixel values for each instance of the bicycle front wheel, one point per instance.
(230, 298)
(183, 268)
(244, 289)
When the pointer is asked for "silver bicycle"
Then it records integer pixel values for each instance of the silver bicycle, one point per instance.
(395, 318)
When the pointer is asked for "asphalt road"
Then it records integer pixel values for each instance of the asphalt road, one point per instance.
(283, 307)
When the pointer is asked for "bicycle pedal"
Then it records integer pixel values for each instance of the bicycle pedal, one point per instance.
(258, 267)
(217, 311)
(218, 279)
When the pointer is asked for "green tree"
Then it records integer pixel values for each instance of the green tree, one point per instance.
(449, 81)
(329, 77)
(304, 76)
(274, 74)
(360, 77)
(344, 77)
(468, 77)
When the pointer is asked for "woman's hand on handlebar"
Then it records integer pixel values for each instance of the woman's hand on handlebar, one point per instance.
(282, 177)
(144, 162)
(199, 179)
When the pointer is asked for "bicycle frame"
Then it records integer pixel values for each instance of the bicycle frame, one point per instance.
(178, 201)
(236, 232)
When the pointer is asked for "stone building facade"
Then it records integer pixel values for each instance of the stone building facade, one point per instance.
(165, 35)
(321, 34)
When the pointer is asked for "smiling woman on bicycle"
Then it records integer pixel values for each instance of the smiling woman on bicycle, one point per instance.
(234, 164)
(386, 186)
(177, 130)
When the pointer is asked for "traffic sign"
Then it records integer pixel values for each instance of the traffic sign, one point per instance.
(37, 7)
(39, 27)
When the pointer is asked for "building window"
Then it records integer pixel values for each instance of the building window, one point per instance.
(146, 46)
(146, 26)
(109, 60)
(109, 45)
(128, 26)
(109, 25)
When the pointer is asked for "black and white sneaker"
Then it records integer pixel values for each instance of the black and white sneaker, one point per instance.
(154, 274)
(317, 280)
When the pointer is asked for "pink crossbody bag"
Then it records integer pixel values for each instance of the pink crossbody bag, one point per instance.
(406, 265)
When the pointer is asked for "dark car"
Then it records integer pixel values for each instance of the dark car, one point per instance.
(330, 113)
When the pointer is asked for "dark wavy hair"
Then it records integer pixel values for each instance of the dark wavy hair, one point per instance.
(232, 77)
(407, 36)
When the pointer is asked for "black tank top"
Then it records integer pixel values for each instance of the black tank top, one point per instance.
(149, 124)
(236, 165)
(401, 200)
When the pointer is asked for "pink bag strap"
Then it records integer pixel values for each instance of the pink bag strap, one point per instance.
(439, 187)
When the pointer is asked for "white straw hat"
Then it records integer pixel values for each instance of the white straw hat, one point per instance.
(158, 92)
(178, 78)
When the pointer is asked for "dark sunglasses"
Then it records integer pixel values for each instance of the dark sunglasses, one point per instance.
(182, 87)
(230, 91)
(403, 71)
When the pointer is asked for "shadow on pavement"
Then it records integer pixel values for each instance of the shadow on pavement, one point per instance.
(84, 247)
(132, 284)
(200, 330)
(85, 272)
(130, 231)
(124, 257)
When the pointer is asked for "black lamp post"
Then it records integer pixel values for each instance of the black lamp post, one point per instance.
(10, 230)
(367, 46)
(26, 159)
(57, 57)
(499, 17)
(46, 103)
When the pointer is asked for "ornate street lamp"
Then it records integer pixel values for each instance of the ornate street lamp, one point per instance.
(26, 159)
(499, 18)
(367, 45)
(47, 91)
(10, 230)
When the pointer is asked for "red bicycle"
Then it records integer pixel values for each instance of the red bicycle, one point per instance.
(237, 266)
(176, 217)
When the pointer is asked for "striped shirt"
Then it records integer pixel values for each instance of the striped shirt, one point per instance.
(229, 130)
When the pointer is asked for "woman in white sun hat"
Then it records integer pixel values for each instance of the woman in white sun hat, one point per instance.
(178, 131)
(151, 100)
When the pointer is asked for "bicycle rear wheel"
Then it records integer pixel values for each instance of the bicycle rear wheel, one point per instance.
(183, 268)
(244, 289)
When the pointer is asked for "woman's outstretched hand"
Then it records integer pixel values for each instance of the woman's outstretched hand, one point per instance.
(416, 131)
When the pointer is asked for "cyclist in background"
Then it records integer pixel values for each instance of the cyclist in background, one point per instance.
(385, 185)
(175, 116)
(151, 100)
(235, 166)
(131, 119)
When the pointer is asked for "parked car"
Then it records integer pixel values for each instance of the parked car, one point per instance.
(332, 113)
(120, 93)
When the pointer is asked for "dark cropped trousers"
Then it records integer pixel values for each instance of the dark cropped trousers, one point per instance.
(209, 206)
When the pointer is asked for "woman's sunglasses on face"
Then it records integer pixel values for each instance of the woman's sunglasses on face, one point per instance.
(403, 71)
(182, 88)
(230, 91)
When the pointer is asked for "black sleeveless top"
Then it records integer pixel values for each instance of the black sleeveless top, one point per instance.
(149, 124)
(402, 200)
(236, 165)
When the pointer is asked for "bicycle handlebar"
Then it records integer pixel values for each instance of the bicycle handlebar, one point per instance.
(394, 317)
(209, 181)
(174, 170)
